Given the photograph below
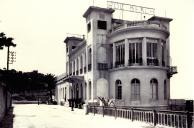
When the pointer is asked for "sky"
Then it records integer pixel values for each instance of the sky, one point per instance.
(39, 28)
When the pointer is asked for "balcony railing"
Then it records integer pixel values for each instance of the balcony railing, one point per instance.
(119, 64)
(134, 62)
(102, 66)
(172, 70)
(154, 24)
(152, 61)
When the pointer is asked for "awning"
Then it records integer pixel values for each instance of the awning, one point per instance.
(71, 79)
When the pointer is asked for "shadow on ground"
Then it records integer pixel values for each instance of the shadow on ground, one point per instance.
(7, 121)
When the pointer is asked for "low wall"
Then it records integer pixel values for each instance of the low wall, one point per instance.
(4, 101)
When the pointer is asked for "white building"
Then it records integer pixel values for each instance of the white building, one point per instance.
(128, 61)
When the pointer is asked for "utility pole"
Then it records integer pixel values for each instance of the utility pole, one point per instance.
(8, 58)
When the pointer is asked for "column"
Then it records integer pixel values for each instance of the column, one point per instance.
(126, 52)
(144, 51)
(114, 54)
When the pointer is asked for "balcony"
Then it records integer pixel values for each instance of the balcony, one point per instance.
(135, 62)
(152, 61)
(89, 67)
(148, 24)
(171, 71)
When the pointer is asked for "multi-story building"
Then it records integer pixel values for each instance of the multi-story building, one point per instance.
(128, 61)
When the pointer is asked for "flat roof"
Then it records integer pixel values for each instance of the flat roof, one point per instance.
(160, 18)
(72, 38)
(91, 8)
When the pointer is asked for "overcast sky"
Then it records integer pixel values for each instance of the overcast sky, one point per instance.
(40, 27)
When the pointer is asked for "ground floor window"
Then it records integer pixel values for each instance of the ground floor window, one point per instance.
(154, 88)
(118, 89)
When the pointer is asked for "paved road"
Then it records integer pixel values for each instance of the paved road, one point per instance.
(54, 116)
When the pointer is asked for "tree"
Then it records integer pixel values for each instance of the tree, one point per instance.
(50, 80)
(7, 42)
(2, 40)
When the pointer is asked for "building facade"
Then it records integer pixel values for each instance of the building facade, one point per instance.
(127, 61)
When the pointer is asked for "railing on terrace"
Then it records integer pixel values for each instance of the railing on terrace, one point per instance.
(156, 24)
(178, 119)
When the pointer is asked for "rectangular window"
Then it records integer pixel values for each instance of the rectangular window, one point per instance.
(152, 52)
(135, 53)
(120, 55)
(88, 27)
(101, 24)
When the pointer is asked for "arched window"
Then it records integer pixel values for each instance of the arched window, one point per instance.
(165, 90)
(118, 89)
(135, 89)
(154, 88)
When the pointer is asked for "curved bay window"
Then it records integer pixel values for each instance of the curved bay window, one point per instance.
(135, 52)
(120, 54)
(152, 52)
(118, 89)
(135, 89)
(154, 88)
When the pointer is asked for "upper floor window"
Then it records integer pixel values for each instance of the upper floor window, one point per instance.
(135, 52)
(90, 59)
(120, 54)
(118, 89)
(89, 27)
(135, 89)
(163, 45)
(101, 24)
(152, 52)
(154, 88)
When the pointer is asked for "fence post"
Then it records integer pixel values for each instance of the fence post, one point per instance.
(103, 111)
(94, 110)
(189, 120)
(155, 117)
(115, 112)
(132, 114)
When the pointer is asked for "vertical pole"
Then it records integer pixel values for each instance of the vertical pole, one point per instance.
(8, 58)
(154, 117)
(115, 112)
(103, 111)
(132, 114)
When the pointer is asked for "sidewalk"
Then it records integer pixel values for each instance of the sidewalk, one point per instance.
(55, 116)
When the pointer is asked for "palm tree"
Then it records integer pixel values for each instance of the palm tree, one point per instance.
(8, 43)
(2, 40)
